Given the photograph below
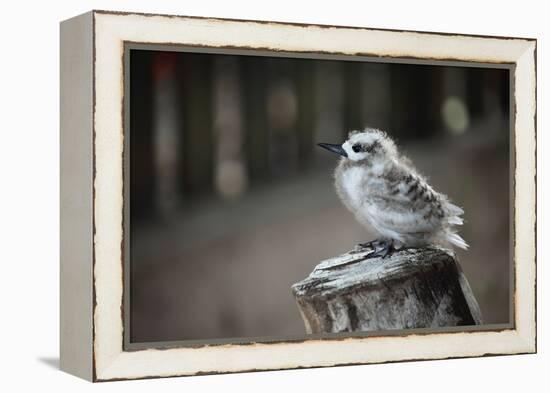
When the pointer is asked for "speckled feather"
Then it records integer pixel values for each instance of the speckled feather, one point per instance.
(385, 192)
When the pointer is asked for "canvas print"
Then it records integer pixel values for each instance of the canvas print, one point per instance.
(277, 197)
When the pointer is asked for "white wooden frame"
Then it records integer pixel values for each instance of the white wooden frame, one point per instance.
(92, 142)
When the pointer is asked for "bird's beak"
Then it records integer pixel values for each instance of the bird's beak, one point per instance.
(338, 149)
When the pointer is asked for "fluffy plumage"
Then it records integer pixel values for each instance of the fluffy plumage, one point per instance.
(385, 192)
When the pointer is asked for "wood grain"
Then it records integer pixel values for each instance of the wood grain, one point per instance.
(413, 288)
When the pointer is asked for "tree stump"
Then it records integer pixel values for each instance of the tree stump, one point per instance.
(412, 288)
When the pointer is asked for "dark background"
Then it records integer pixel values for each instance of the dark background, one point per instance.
(232, 202)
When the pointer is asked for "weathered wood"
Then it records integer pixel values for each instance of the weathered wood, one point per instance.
(413, 288)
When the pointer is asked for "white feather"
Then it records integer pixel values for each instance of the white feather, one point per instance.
(376, 184)
(455, 239)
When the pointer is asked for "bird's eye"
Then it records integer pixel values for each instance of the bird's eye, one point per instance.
(356, 148)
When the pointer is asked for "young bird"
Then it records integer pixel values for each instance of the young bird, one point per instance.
(384, 192)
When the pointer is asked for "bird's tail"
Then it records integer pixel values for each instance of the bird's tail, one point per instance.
(453, 213)
(456, 240)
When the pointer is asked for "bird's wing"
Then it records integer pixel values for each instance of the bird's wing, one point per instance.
(408, 206)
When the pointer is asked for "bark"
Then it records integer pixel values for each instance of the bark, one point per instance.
(413, 288)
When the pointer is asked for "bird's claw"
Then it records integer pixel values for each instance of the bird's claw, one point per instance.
(386, 251)
(372, 244)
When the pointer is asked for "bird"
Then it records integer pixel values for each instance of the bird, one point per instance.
(385, 192)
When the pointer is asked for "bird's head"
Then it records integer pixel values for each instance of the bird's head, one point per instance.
(362, 145)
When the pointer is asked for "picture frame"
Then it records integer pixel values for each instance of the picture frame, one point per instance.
(94, 248)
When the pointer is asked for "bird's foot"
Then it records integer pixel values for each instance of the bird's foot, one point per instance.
(372, 244)
(385, 251)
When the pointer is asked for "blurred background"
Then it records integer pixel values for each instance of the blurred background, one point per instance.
(232, 202)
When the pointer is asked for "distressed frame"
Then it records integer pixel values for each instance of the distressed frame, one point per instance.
(93, 241)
